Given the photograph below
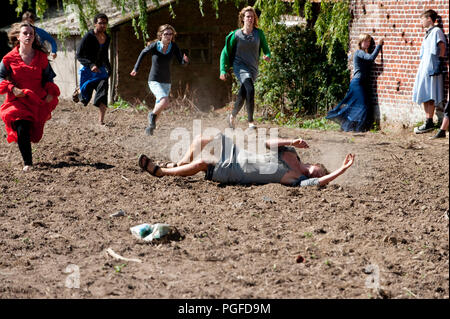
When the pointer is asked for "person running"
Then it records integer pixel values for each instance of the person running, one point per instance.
(429, 84)
(354, 112)
(27, 80)
(42, 35)
(162, 50)
(237, 166)
(242, 51)
(92, 53)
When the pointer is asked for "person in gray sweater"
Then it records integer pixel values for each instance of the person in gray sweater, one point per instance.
(229, 164)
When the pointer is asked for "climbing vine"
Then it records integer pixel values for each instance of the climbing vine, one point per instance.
(332, 25)
(86, 9)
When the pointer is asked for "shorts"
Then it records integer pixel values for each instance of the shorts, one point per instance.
(159, 90)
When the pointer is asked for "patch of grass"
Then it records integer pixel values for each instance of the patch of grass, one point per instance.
(418, 124)
(320, 124)
(120, 104)
(308, 234)
(118, 268)
(375, 127)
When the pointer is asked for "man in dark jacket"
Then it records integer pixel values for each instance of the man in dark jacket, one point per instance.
(92, 53)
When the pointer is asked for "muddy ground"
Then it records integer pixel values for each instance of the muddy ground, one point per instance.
(379, 231)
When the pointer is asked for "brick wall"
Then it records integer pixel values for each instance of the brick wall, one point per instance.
(395, 68)
(200, 80)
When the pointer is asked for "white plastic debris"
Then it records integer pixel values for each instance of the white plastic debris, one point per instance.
(149, 232)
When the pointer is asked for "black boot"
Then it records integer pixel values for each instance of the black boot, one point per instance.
(439, 134)
(151, 123)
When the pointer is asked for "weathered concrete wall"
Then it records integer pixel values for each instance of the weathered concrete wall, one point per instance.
(66, 66)
(201, 79)
(396, 66)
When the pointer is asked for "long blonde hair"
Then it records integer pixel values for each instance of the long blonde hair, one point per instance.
(242, 14)
(363, 37)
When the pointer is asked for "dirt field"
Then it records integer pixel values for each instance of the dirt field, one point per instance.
(379, 231)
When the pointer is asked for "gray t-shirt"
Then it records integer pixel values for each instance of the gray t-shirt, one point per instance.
(238, 166)
(246, 60)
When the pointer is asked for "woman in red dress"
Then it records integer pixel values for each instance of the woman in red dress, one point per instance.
(26, 78)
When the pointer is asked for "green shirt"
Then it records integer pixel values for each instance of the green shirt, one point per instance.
(228, 52)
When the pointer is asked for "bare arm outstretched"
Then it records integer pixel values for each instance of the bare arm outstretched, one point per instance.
(298, 143)
(348, 161)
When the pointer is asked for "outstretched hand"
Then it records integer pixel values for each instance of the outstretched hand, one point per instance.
(348, 161)
(299, 143)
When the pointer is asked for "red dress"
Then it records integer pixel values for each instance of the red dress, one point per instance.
(32, 106)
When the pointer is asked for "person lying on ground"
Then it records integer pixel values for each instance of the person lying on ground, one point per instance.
(238, 166)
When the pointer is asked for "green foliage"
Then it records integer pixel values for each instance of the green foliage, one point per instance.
(320, 124)
(308, 72)
(124, 105)
(87, 9)
(118, 268)
(120, 104)
(299, 81)
(308, 10)
(271, 11)
(332, 25)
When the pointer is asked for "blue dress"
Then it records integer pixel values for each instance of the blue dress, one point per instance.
(426, 86)
(352, 112)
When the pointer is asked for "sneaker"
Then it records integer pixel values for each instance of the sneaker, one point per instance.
(252, 126)
(439, 134)
(149, 131)
(75, 95)
(27, 168)
(424, 128)
(231, 121)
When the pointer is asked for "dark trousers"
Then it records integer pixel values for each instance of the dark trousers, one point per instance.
(101, 93)
(23, 128)
(247, 93)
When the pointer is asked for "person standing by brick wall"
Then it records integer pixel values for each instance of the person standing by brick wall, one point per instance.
(352, 113)
(429, 84)
(445, 122)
